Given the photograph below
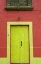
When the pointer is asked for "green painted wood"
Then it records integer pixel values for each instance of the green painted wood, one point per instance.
(15, 44)
(29, 2)
(19, 8)
(8, 2)
(19, 52)
(19, 5)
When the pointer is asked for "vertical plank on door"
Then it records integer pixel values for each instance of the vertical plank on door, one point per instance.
(15, 38)
(24, 50)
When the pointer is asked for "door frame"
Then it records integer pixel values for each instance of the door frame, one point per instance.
(30, 36)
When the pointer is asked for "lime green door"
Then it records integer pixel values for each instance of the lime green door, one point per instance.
(24, 49)
(19, 44)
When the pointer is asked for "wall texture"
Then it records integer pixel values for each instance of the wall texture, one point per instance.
(34, 16)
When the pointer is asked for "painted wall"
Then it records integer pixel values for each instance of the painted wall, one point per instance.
(34, 16)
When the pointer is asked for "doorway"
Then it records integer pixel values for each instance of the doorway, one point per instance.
(19, 44)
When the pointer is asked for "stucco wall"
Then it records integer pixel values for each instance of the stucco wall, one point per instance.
(34, 16)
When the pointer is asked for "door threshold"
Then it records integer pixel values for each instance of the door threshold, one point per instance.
(20, 63)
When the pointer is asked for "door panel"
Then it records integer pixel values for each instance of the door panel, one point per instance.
(15, 38)
(19, 44)
(24, 55)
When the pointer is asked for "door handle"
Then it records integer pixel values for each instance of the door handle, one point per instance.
(21, 43)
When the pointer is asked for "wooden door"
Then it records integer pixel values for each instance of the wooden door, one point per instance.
(19, 44)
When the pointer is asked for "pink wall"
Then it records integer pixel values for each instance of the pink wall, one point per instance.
(34, 16)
